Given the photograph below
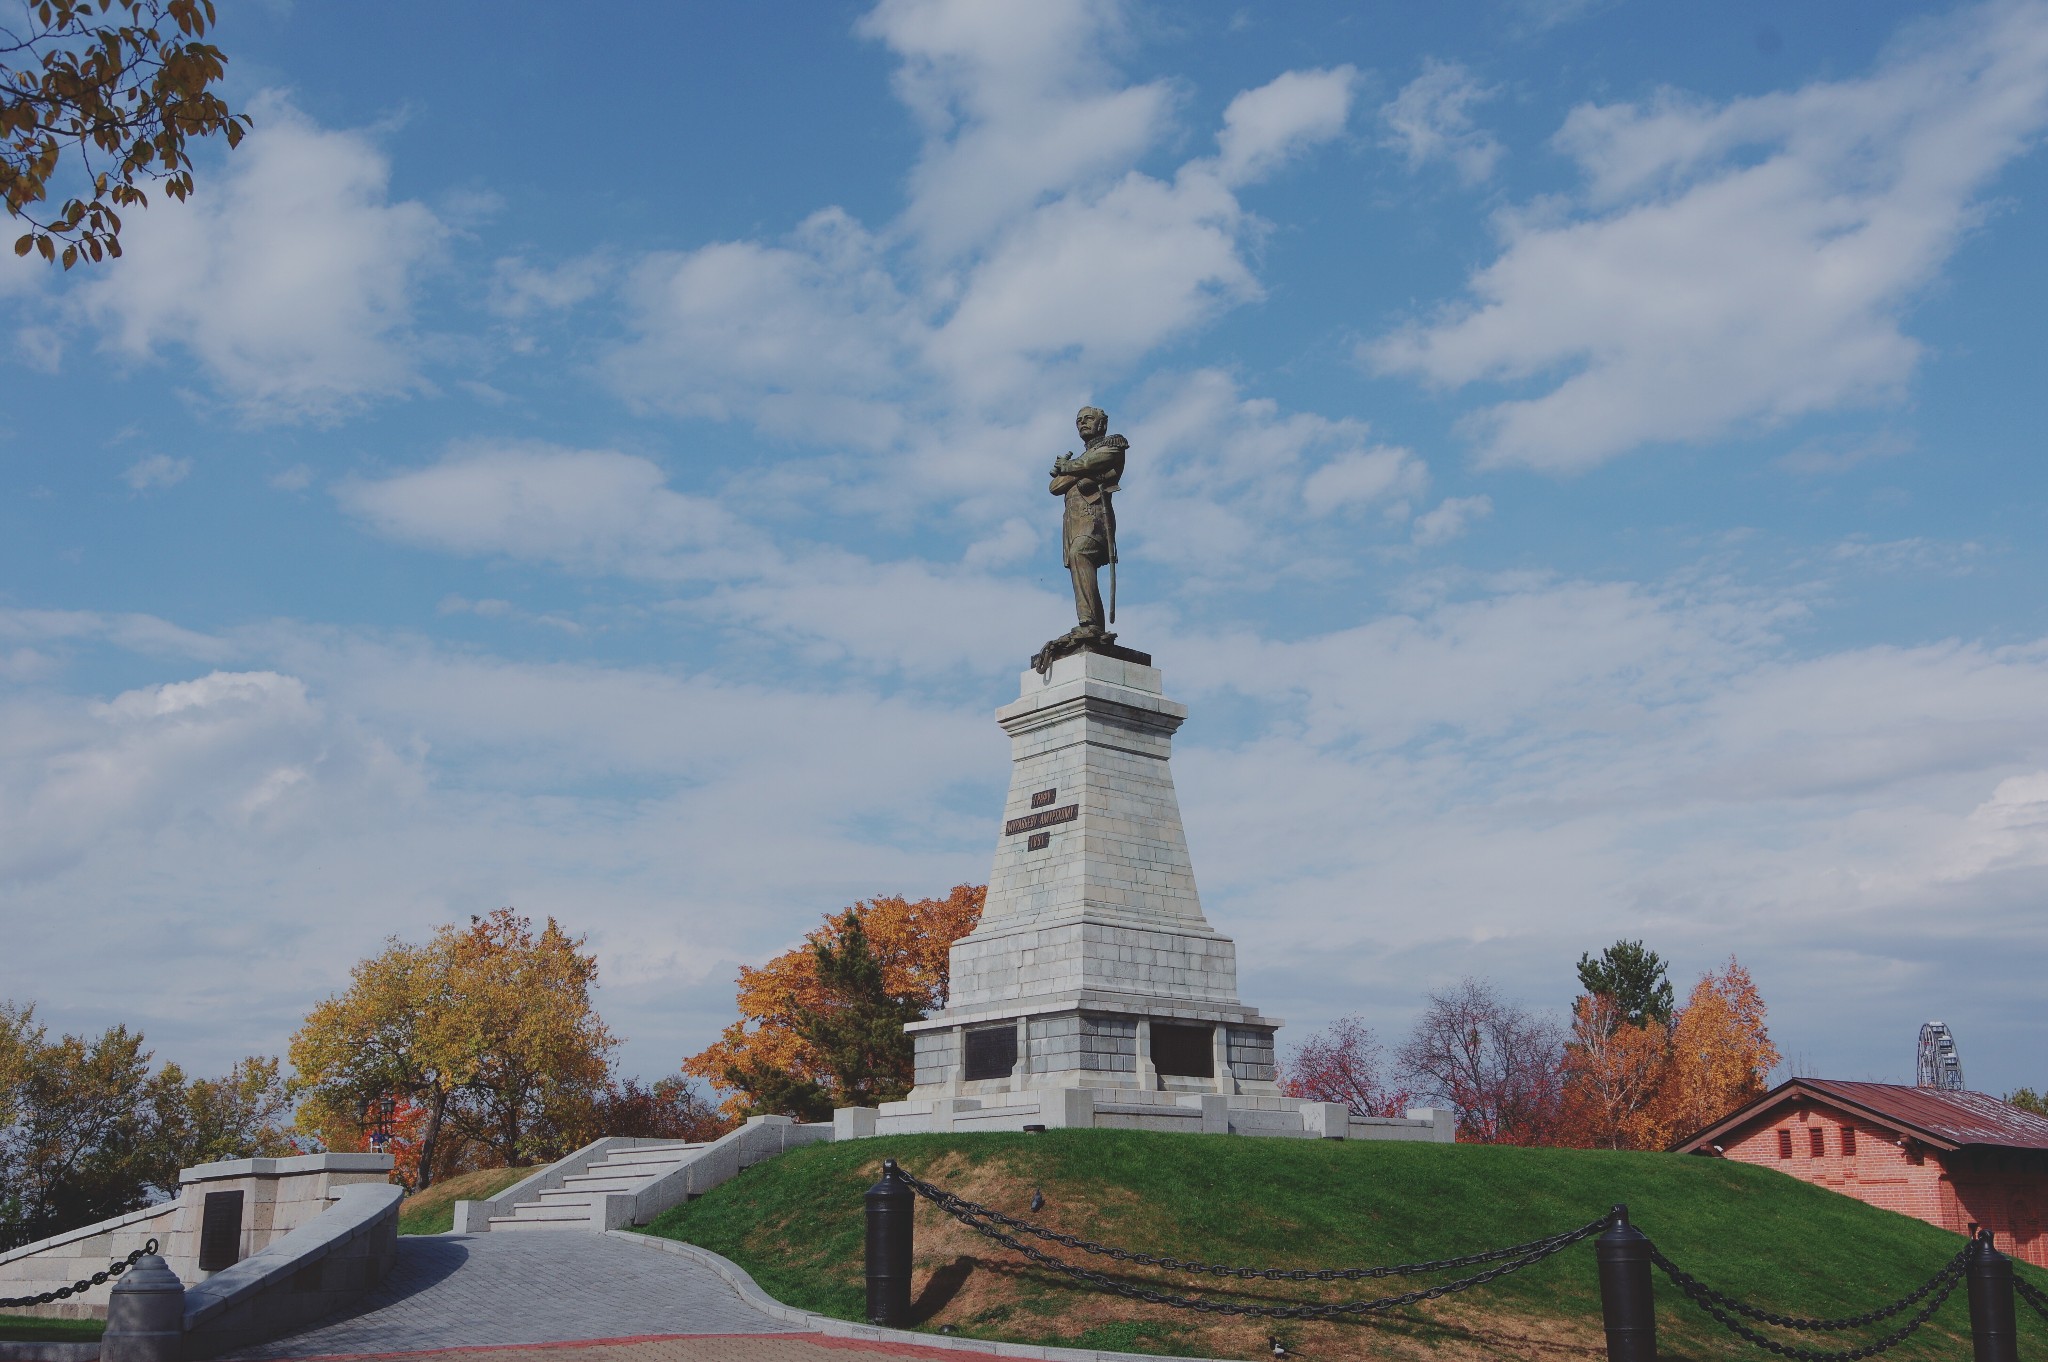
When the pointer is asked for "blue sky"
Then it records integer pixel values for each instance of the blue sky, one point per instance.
(1584, 479)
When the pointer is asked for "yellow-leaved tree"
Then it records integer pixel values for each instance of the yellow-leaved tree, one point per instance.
(1721, 1054)
(821, 1025)
(482, 1040)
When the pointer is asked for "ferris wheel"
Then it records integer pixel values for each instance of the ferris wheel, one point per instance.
(1941, 1065)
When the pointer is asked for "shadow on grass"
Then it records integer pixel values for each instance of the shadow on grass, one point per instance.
(941, 1287)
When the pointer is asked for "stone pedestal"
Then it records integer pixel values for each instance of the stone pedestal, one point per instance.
(1092, 966)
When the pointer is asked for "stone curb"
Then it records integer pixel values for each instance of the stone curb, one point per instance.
(736, 1277)
(52, 1351)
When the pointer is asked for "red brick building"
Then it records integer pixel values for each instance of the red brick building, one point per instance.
(1960, 1160)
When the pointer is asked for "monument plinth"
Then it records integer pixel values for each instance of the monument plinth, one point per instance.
(1092, 965)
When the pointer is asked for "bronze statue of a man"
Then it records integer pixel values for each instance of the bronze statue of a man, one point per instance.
(1088, 532)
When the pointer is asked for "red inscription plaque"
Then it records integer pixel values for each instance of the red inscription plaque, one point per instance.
(1032, 822)
(1044, 798)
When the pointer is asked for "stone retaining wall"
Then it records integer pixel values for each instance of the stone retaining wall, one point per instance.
(278, 1196)
(323, 1265)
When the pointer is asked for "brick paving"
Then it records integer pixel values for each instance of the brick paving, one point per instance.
(469, 1291)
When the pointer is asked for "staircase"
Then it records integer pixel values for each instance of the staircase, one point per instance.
(570, 1206)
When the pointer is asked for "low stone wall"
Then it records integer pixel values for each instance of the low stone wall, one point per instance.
(320, 1267)
(278, 1196)
(1134, 1109)
(762, 1137)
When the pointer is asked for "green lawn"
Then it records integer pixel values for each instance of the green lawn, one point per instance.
(795, 1223)
(433, 1211)
(31, 1329)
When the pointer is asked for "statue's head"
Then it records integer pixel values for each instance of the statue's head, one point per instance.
(1091, 422)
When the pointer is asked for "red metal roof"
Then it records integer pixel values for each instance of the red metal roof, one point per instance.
(1950, 1119)
(1956, 1117)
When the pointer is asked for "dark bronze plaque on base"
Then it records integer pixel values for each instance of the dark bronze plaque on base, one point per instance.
(220, 1231)
(1032, 822)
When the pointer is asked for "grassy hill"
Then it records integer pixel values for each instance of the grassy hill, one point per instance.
(795, 1223)
(433, 1211)
(35, 1329)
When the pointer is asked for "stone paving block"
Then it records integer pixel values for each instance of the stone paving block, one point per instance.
(466, 1291)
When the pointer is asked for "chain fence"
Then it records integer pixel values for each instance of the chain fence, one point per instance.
(994, 1224)
(83, 1284)
(1724, 1309)
(2031, 1294)
(1012, 1232)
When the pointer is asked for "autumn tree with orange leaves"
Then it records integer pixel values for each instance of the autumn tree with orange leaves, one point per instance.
(1641, 1084)
(820, 1026)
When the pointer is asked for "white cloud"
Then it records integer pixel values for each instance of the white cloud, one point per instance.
(1017, 103)
(1736, 264)
(145, 635)
(1431, 120)
(1492, 782)
(520, 289)
(156, 471)
(1449, 519)
(1150, 259)
(809, 337)
(1013, 541)
(1384, 472)
(592, 510)
(1034, 257)
(365, 788)
(217, 756)
(289, 273)
(1220, 474)
(297, 478)
(1264, 128)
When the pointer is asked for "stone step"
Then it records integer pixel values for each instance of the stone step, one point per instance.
(649, 1154)
(548, 1210)
(637, 1172)
(507, 1224)
(602, 1182)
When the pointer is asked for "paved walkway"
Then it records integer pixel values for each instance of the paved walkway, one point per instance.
(695, 1348)
(491, 1290)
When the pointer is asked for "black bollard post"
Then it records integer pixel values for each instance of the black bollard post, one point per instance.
(1994, 1333)
(891, 1204)
(1626, 1305)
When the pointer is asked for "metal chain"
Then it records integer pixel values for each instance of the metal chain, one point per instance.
(979, 1218)
(962, 1208)
(2031, 1294)
(1692, 1286)
(1712, 1301)
(113, 1270)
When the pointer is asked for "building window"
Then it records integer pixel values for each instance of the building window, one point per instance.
(1784, 1144)
(1185, 1051)
(1817, 1143)
(1848, 1143)
(991, 1052)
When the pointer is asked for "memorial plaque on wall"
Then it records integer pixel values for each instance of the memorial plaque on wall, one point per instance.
(1184, 1051)
(991, 1052)
(220, 1231)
